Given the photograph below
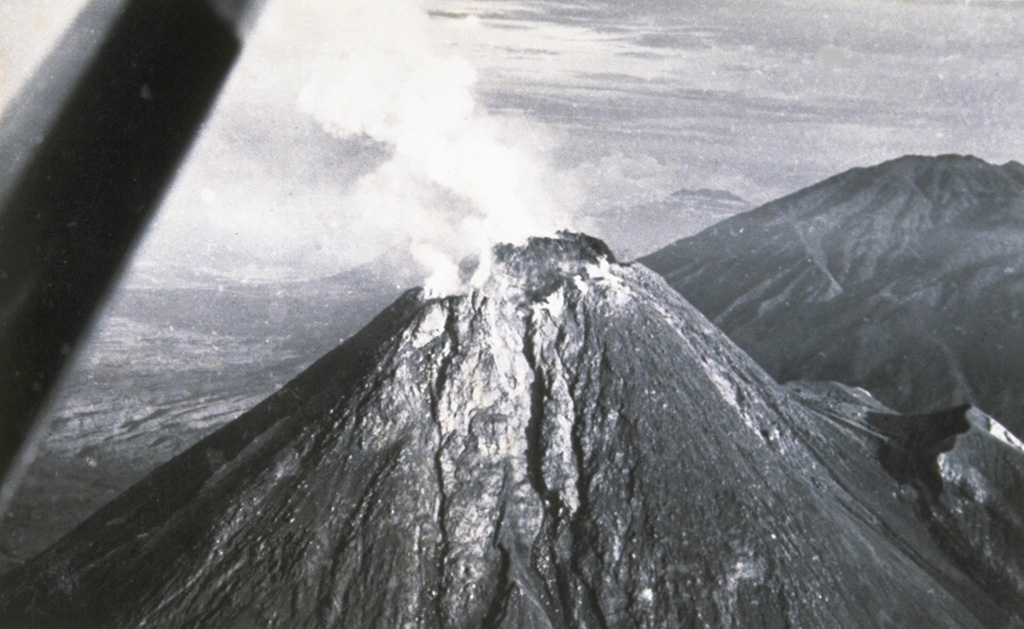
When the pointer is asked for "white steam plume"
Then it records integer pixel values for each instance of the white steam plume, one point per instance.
(457, 181)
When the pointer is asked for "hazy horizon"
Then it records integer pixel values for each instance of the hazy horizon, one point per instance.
(435, 128)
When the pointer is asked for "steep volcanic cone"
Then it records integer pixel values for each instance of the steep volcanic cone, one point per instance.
(570, 445)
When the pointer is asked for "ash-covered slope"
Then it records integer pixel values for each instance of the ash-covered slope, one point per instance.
(164, 368)
(906, 278)
(572, 445)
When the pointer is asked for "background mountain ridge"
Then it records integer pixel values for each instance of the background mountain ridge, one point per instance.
(905, 278)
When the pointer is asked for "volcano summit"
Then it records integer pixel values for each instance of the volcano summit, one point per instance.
(571, 445)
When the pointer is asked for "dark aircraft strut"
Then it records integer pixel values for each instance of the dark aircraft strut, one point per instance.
(89, 146)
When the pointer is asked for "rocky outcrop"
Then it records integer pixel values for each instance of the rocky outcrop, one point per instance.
(571, 445)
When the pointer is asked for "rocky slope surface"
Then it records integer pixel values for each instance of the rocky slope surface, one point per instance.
(164, 367)
(906, 278)
(570, 445)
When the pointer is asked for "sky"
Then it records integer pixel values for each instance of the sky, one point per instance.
(426, 131)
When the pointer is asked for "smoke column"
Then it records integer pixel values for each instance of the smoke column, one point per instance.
(456, 182)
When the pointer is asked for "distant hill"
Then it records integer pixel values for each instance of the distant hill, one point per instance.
(906, 278)
(640, 228)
